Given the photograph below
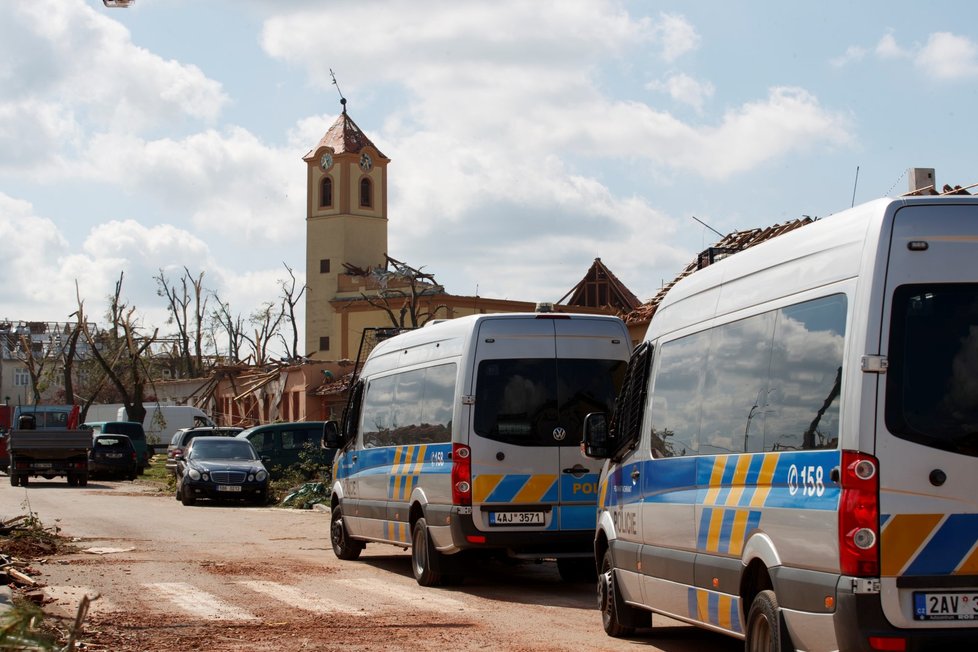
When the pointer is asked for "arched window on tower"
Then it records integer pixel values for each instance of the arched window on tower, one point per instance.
(326, 193)
(366, 193)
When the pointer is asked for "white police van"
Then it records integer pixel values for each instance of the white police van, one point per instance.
(792, 459)
(464, 435)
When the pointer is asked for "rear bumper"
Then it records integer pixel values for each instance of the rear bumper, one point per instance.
(112, 468)
(858, 617)
(529, 544)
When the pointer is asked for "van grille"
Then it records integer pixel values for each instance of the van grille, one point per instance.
(228, 477)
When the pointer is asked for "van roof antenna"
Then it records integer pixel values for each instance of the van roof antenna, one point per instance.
(342, 99)
(707, 226)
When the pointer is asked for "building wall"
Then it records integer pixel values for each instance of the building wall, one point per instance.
(14, 383)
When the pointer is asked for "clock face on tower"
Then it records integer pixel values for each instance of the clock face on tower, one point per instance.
(366, 162)
(326, 162)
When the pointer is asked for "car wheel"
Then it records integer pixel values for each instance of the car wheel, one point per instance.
(140, 470)
(424, 557)
(575, 570)
(13, 479)
(25, 480)
(617, 618)
(260, 499)
(187, 497)
(72, 481)
(766, 630)
(343, 546)
(83, 480)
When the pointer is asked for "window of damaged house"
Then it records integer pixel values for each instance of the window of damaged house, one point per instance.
(366, 193)
(326, 193)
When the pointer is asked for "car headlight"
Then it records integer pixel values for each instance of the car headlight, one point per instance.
(194, 474)
(260, 476)
(205, 477)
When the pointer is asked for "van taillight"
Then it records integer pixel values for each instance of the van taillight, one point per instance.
(859, 515)
(461, 475)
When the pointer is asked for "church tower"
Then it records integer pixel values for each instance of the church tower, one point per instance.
(346, 223)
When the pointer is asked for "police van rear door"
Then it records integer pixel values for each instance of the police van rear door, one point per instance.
(535, 379)
(927, 420)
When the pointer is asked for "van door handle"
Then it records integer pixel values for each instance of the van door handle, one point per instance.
(635, 475)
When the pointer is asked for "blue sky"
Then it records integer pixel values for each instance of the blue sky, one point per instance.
(526, 138)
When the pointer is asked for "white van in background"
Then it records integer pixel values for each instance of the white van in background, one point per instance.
(163, 421)
(792, 457)
(465, 435)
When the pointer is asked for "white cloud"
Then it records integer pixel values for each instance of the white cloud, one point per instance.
(84, 75)
(948, 57)
(945, 56)
(853, 53)
(887, 48)
(683, 88)
(676, 35)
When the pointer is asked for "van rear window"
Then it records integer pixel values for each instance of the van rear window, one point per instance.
(524, 402)
(931, 383)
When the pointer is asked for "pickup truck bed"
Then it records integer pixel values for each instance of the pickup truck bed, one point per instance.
(49, 453)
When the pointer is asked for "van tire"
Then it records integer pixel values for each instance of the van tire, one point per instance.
(344, 547)
(617, 618)
(424, 557)
(574, 570)
(766, 629)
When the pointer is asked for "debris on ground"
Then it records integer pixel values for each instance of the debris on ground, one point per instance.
(309, 494)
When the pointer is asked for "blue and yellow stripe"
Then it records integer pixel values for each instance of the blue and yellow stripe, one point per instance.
(717, 609)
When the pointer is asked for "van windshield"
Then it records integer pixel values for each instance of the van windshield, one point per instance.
(524, 402)
(931, 389)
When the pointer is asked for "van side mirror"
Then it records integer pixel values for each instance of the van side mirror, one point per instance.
(332, 437)
(595, 443)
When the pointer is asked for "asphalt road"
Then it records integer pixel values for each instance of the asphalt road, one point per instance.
(228, 577)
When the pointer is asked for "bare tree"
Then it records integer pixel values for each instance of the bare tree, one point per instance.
(231, 326)
(404, 289)
(290, 299)
(127, 370)
(36, 359)
(183, 298)
(266, 321)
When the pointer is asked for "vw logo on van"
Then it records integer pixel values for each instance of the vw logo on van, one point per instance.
(559, 433)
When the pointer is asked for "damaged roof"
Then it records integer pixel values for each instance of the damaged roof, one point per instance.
(728, 245)
(600, 288)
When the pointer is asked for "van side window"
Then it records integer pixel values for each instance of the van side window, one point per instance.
(377, 406)
(626, 420)
(806, 376)
(675, 415)
(412, 407)
(770, 382)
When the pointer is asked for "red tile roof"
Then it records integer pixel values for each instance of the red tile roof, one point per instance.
(345, 137)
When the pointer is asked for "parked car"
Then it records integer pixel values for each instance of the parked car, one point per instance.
(112, 455)
(180, 440)
(221, 468)
(131, 429)
(281, 445)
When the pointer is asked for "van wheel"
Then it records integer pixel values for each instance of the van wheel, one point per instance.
(617, 618)
(343, 546)
(766, 630)
(575, 570)
(424, 557)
